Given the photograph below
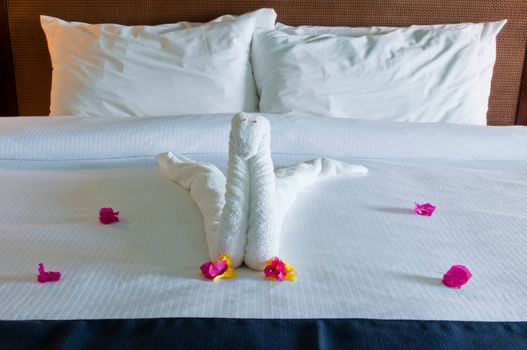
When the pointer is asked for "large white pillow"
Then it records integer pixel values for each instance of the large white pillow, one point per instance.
(486, 53)
(414, 74)
(116, 70)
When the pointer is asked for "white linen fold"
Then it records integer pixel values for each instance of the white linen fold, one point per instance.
(67, 138)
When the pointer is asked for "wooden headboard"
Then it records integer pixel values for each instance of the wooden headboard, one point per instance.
(25, 78)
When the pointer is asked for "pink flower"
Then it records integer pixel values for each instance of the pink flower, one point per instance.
(108, 216)
(49, 276)
(216, 270)
(457, 276)
(426, 209)
(278, 270)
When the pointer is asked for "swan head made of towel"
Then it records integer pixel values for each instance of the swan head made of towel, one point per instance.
(251, 130)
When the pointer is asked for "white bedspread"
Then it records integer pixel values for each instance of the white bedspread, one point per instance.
(359, 249)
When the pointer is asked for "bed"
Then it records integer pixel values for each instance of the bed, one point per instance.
(369, 268)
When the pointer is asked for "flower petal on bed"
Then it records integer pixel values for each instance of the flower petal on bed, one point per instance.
(216, 270)
(49, 276)
(456, 276)
(108, 216)
(425, 209)
(279, 270)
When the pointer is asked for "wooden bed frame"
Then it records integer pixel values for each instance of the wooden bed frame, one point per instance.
(25, 68)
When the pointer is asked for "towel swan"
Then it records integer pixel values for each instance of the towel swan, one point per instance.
(243, 212)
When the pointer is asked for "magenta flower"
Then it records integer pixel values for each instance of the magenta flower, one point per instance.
(456, 276)
(50, 276)
(216, 270)
(425, 209)
(108, 216)
(279, 270)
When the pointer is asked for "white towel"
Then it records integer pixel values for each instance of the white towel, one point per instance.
(229, 226)
(243, 214)
(207, 188)
(249, 175)
(254, 135)
(292, 180)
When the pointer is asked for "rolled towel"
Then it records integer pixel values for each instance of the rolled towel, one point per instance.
(234, 219)
(263, 239)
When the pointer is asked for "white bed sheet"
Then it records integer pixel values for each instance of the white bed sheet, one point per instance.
(359, 249)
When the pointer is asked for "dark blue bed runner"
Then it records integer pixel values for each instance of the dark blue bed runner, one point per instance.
(253, 334)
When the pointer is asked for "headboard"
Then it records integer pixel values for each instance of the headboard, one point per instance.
(26, 69)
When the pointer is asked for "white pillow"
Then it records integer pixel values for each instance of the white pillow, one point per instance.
(116, 70)
(414, 74)
(486, 50)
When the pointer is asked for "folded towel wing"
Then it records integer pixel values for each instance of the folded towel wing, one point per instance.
(206, 184)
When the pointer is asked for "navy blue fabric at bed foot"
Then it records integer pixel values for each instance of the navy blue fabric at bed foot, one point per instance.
(253, 334)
